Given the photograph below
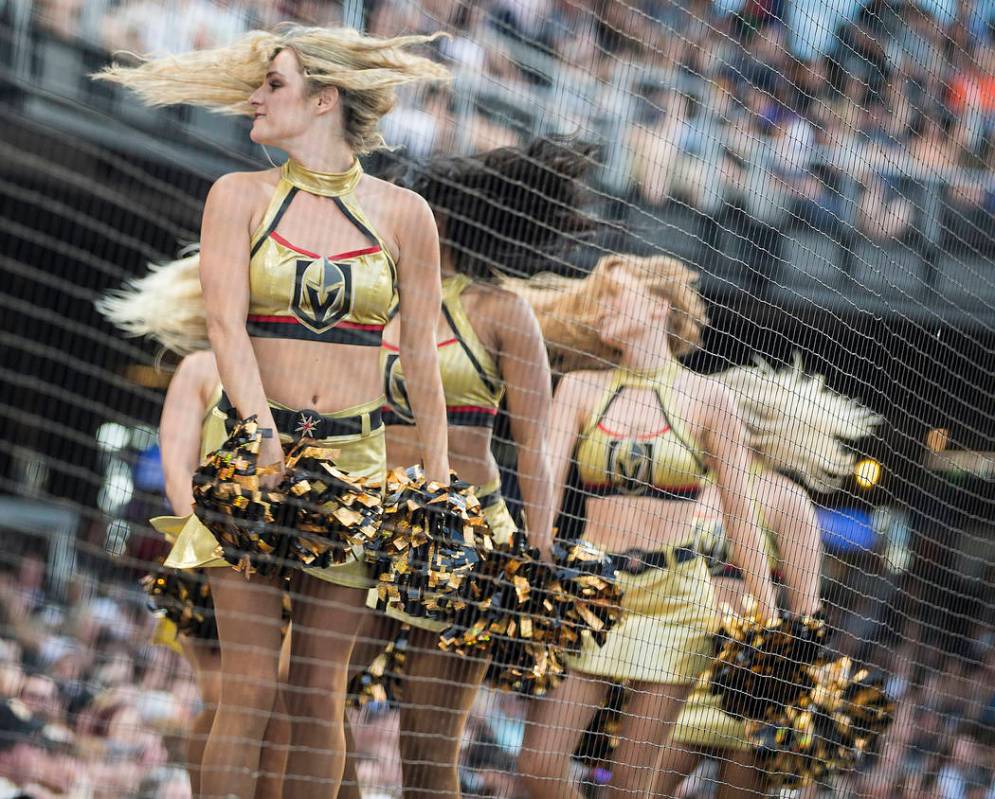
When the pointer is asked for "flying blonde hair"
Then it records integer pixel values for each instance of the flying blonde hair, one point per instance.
(568, 308)
(795, 424)
(365, 69)
(166, 305)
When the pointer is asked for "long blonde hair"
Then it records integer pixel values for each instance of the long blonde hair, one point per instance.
(365, 69)
(166, 305)
(795, 424)
(568, 309)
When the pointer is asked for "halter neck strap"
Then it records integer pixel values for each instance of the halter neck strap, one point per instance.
(324, 184)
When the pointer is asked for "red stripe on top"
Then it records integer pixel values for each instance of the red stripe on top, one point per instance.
(347, 254)
(394, 348)
(471, 409)
(293, 320)
(637, 436)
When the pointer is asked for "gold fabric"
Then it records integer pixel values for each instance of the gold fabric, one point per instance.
(664, 636)
(668, 459)
(363, 455)
(324, 184)
(467, 385)
(702, 723)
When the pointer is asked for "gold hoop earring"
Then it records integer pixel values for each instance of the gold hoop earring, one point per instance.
(269, 157)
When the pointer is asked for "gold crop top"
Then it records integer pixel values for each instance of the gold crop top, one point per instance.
(665, 463)
(470, 378)
(343, 298)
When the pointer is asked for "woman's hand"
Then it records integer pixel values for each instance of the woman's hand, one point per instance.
(270, 462)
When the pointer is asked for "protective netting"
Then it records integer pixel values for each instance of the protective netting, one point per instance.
(825, 168)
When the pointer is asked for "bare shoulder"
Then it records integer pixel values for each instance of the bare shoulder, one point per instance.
(703, 389)
(505, 307)
(583, 385)
(241, 197)
(397, 199)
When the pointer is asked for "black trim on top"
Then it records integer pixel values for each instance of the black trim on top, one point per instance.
(678, 436)
(295, 423)
(461, 418)
(645, 490)
(639, 561)
(276, 219)
(366, 231)
(485, 379)
(299, 332)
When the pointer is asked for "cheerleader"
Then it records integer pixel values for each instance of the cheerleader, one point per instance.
(186, 422)
(300, 266)
(503, 212)
(796, 426)
(642, 437)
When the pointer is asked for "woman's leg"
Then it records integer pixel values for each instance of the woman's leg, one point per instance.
(276, 744)
(739, 775)
(204, 658)
(554, 726)
(439, 689)
(326, 618)
(682, 763)
(248, 615)
(645, 751)
(375, 632)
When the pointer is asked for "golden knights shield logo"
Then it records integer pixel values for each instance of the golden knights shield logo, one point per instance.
(395, 390)
(322, 293)
(630, 465)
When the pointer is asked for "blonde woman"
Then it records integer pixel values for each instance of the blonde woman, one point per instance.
(643, 437)
(185, 424)
(794, 425)
(300, 266)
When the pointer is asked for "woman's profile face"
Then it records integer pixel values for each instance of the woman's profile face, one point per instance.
(283, 107)
(628, 310)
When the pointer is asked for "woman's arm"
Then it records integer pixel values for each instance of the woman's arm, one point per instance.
(570, 407)
(791, 517)
(726, 441)
(420, 289)
(224, 275)
(180, 426)
(525, 370)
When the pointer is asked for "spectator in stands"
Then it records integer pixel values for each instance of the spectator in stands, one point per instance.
(23, 760)
(161, 27)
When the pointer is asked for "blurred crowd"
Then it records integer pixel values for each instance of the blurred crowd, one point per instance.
(708, 104)
(91, 709)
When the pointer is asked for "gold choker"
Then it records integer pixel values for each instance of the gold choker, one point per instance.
(325, 184)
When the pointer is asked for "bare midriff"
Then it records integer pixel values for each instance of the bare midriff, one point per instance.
(318, 376)
(620, 523)
(469, 451)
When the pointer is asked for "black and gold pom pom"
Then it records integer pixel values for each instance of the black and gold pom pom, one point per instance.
(529, 615)
(183, 597)
(381, 680)
(761, 666)
(433, 537)
(831, 728)
(317, 516)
